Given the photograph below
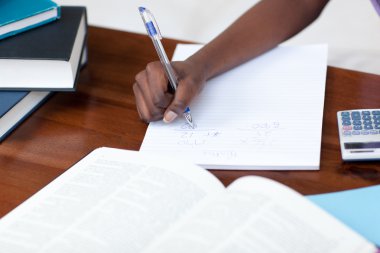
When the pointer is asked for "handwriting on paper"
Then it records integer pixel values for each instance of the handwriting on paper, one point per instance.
(256, 134)
(195, 136)
(259, 134)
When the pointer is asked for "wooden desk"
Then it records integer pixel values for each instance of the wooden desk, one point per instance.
(102, 113)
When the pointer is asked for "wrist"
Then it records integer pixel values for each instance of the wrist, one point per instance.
(200, 65)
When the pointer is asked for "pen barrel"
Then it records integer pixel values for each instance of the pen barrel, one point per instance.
(169, 71)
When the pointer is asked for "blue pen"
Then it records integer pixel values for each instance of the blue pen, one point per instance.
(154, 33)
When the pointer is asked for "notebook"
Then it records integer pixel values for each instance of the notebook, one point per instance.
(264, 114)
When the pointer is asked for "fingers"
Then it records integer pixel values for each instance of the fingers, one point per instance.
(147, 111)
(150, 91)
(189, 86)
(153, 99)
(156, 85)
(178, 105)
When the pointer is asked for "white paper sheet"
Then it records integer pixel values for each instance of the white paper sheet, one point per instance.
(264, 114)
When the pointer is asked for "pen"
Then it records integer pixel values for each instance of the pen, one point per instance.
(154, 33)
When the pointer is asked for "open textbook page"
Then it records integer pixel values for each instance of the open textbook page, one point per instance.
(111, 201)
(256, 214)
(124, 201)
(264, 114)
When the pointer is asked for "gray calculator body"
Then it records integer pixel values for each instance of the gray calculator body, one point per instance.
(359, 134)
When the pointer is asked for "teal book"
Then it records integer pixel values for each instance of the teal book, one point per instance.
(358, 209)
(17, 16)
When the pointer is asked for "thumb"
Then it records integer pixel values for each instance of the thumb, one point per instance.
(177, 107)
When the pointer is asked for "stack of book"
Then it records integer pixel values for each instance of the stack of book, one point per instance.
(42, 48)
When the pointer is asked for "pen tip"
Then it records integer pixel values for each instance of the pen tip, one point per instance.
(189, 119)
(141, 9)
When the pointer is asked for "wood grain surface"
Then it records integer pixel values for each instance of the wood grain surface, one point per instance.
(102, 113)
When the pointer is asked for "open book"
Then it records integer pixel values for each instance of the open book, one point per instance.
(123, 201)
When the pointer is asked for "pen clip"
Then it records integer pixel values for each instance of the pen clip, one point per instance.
(154, 23)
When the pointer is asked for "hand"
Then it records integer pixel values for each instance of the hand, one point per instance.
(153, 99)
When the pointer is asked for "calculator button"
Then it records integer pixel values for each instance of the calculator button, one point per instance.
(357, 122)
(377, 112)
(355, 113)
(368, 127)
(367, 122)
(377, 126)
(364, 132)
(358, 127)
(366, 113)
(374, 132)
(367, 117)
(346, 118)
(346, 122)
(347, 133)
(355, 132)
(356, 117)
(346, 113)
(376, 121)
(376, 116)
(347, 127)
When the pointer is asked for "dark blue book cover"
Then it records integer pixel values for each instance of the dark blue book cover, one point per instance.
(8, 99)
(18, 111)
(21, 15)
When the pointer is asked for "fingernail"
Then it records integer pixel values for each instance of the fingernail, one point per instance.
(170, 116)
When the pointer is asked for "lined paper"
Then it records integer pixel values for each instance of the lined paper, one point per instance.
(264, 114)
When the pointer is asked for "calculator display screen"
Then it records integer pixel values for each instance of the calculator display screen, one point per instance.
(361, 145)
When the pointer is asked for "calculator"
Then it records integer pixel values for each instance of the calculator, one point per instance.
(359, 134)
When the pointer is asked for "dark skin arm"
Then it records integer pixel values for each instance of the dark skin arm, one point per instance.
(261, 28)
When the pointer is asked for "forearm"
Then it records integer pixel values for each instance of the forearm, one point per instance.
(261, 28)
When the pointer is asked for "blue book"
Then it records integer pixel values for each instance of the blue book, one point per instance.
(358, 209)
(8, 99)
(21, 15)
(16, 107)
